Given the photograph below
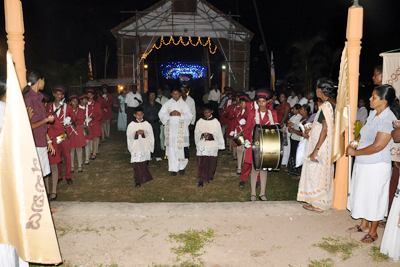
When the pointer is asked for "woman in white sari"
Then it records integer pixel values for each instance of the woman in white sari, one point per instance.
(316, 181)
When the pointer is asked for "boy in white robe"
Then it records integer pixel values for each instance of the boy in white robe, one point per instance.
(176, 116)
(140, 144)
(209, 139)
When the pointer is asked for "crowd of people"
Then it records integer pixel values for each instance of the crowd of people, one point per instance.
(163, 123)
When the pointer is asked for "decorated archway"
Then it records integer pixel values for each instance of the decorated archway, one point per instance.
(189, 22)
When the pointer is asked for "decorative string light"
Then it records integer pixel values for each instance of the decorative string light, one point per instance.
(180, 41)
(172, 70)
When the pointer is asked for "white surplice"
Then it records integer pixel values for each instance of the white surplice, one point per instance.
(176, 130)
(142, 147)
(205, 147)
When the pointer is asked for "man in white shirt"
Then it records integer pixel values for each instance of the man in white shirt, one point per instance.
(175, 114)
(292, 99)
(251, 93)
(190, 101)
(133, 99)
(302, 99)
(162, 100)
(214, 98)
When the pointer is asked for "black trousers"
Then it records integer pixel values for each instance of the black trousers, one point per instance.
(129, 115)
(215, 107)
(157, 141)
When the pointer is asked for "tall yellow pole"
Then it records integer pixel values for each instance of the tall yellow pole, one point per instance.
(353, 35)
(15, 37)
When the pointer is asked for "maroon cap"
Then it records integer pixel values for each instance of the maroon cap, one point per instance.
(73, 96)
(244, 97)
(90, 90)
(82, 96)
(60, 88)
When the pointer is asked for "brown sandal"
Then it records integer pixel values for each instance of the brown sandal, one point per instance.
(367, 237)
(356, 229)
(311, 208)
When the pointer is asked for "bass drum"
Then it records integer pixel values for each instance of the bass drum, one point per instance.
(267, 147)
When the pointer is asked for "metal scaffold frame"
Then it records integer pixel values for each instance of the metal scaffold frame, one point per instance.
(137, 36)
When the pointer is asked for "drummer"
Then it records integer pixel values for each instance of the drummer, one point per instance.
(262, 116)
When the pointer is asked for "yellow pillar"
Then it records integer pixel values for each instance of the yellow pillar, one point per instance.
(223, 79)
(353, 35)
(15, 37)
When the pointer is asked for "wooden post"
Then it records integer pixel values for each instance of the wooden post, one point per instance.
(15, 37)
(353, 35)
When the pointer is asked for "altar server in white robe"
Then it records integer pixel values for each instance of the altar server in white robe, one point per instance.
(175, 114)
(209, 139)
(140, 140)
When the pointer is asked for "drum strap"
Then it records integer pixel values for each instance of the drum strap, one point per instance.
(65, 113)
(271, 119)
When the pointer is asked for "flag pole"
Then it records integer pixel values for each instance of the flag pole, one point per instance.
(15, 37)
(349, 157)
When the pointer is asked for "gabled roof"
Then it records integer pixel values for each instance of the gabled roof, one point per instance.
(161, 19)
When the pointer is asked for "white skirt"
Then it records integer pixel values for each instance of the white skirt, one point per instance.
(369, 191)
(391, 237)
(44, 160)
(286, 151)
(9, 257)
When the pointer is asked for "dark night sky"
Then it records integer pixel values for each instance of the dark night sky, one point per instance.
(66, 30)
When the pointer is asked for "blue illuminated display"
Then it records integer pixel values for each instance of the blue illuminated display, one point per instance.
(172, 70)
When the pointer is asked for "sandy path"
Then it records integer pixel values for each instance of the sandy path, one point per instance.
(249, 234)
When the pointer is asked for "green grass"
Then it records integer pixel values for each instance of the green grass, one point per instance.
(377, 256)
(188, 254)
(321, 263)
(336, 246)
(109, 178)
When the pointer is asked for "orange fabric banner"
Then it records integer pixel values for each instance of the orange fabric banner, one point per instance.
(25, 219)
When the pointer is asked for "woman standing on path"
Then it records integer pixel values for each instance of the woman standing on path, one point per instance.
(369, 191)
(316, 181)
(122, 118)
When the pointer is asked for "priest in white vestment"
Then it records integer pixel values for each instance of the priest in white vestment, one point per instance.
(175, 114)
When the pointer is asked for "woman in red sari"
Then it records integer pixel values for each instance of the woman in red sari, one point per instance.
(283, 109)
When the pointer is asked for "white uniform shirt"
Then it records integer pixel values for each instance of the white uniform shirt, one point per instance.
(130, 100)
(214, 96)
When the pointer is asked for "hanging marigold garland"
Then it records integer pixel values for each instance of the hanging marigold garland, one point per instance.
(180, 41)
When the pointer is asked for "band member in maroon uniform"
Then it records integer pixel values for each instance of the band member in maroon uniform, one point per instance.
(93, 118)
(241, 118)
(233, 123)
(75, 132)
(98, 98)
(63, 116)
(262, 116)
(109, 102)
